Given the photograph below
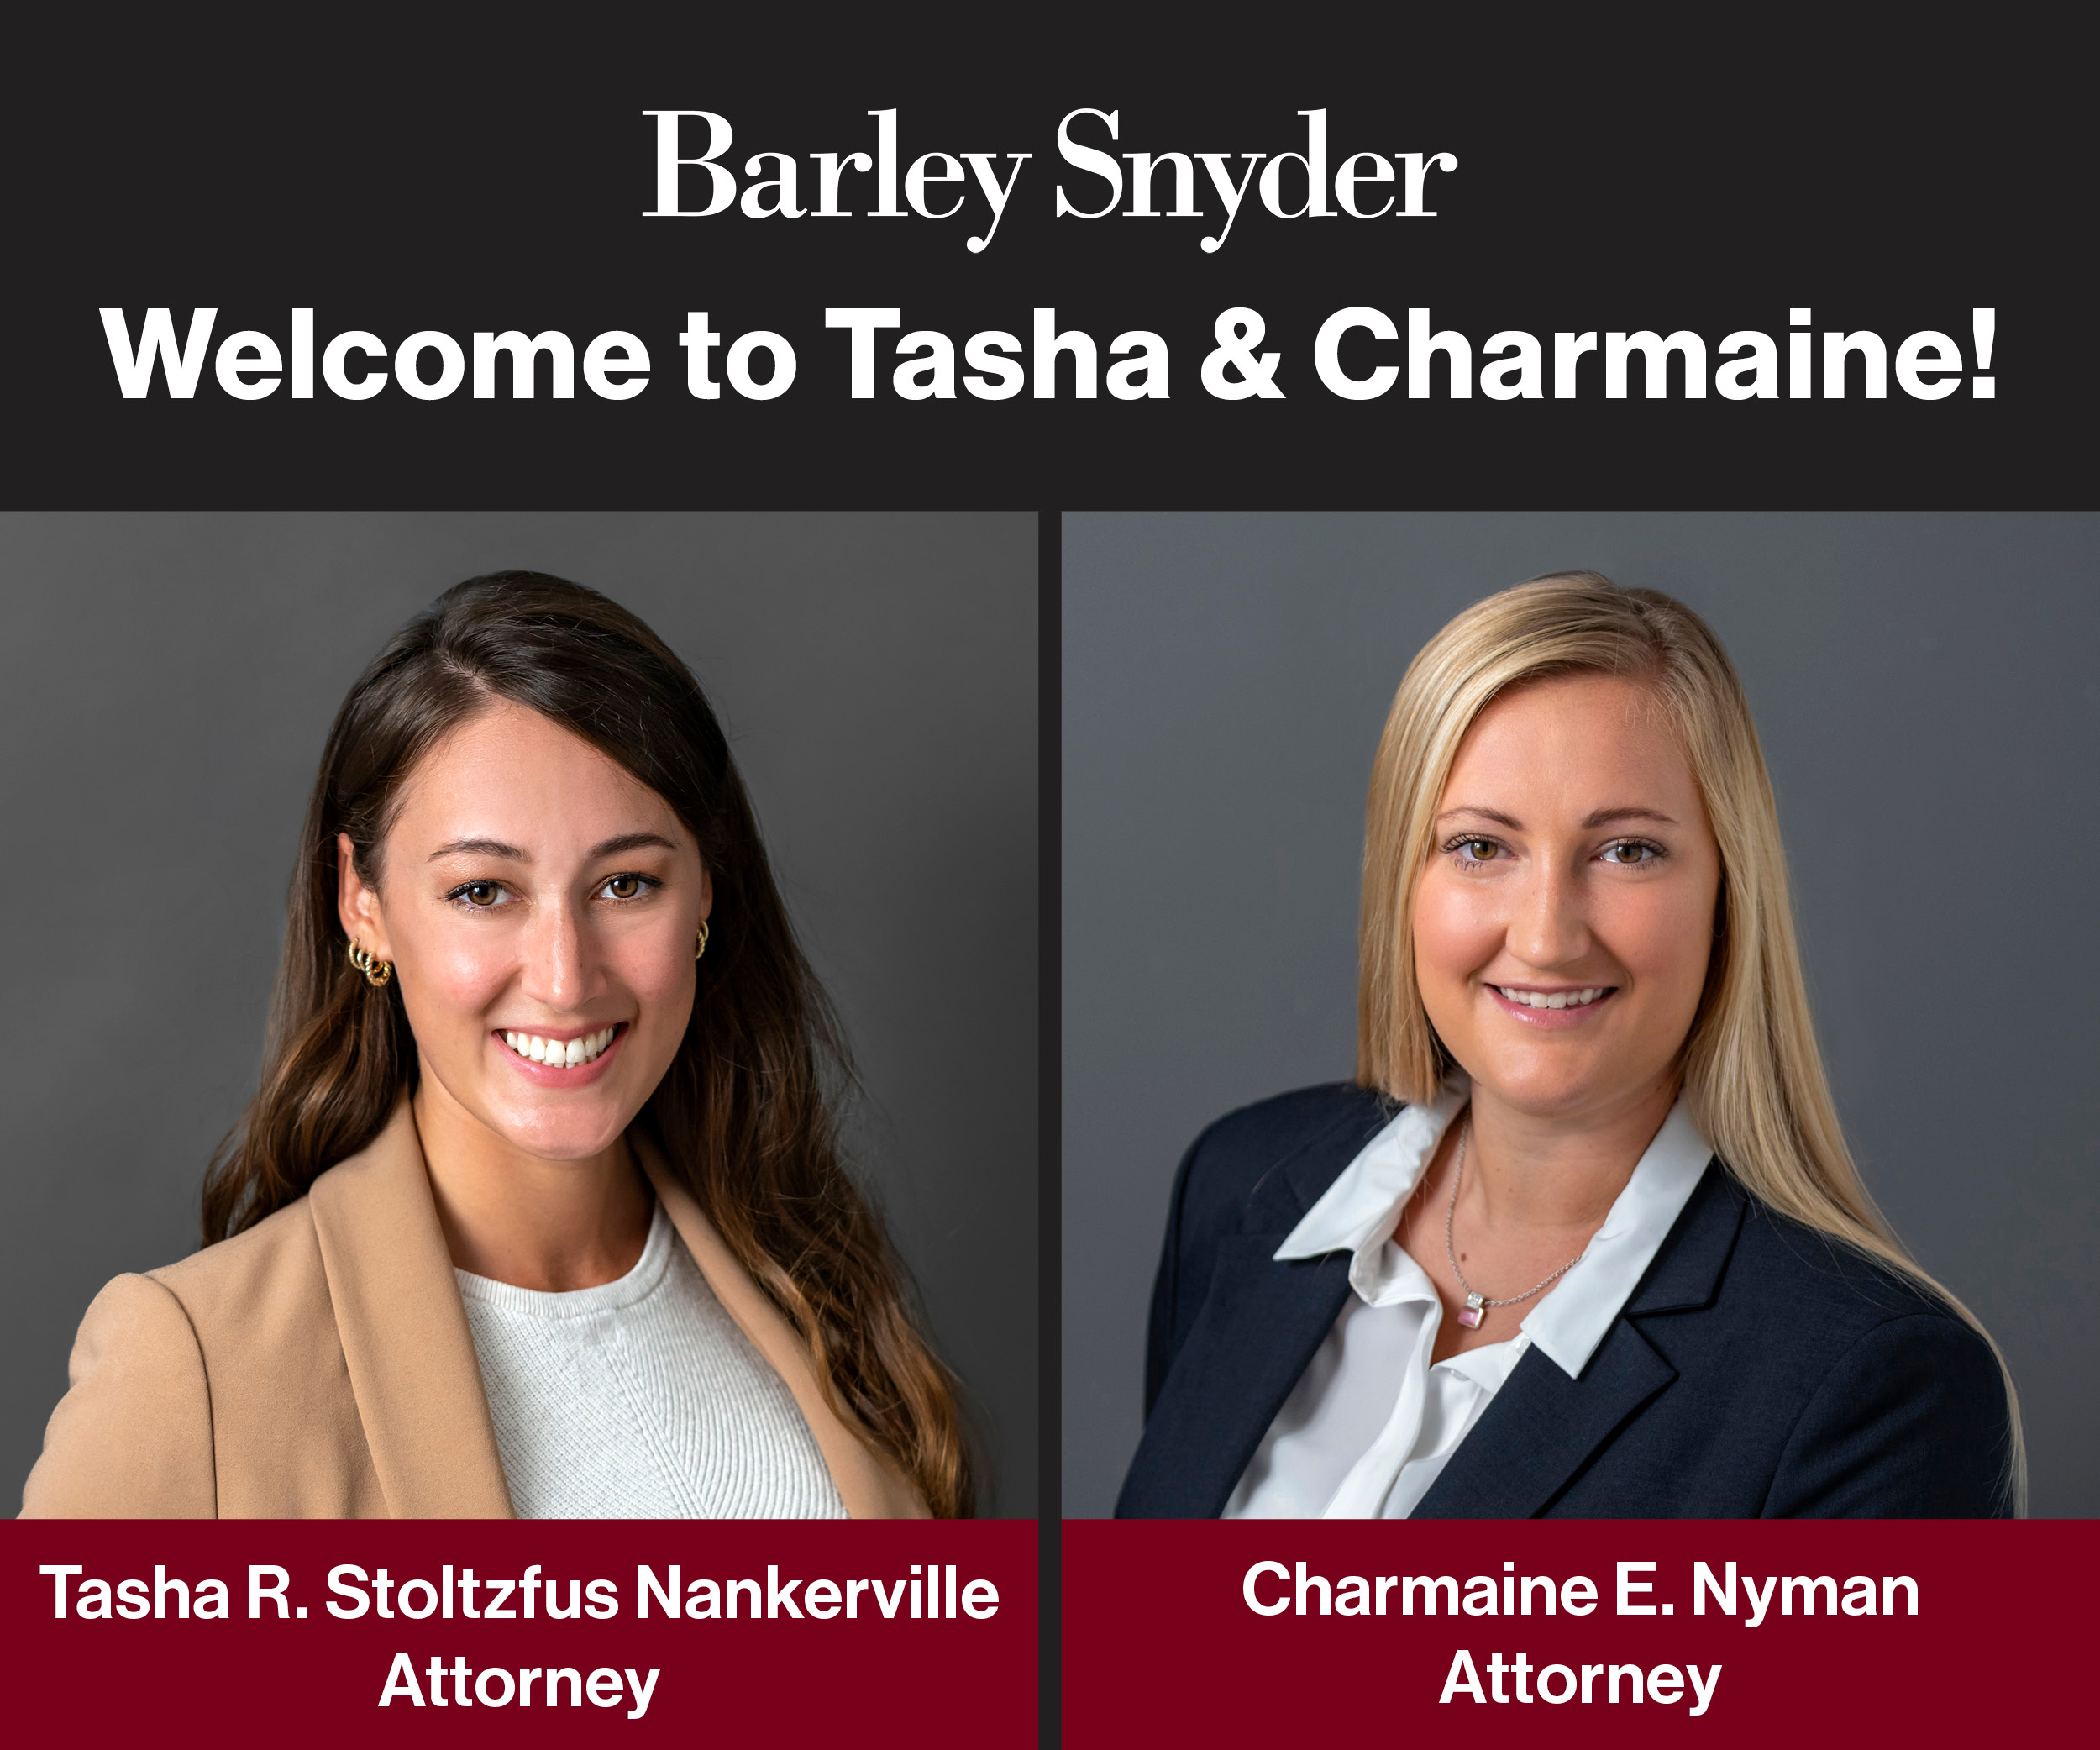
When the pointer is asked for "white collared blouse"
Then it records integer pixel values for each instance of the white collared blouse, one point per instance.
(1372, 1423)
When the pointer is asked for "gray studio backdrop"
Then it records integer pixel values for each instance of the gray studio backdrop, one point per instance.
(166, 684)
(1928, 690)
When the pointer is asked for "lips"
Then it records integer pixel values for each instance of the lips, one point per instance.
(1553, 1010)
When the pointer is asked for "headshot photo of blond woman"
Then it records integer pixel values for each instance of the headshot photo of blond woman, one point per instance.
(1582, 1222)
(546, 1201)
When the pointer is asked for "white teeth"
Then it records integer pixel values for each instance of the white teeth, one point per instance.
(1555, 999)
(560, 1054)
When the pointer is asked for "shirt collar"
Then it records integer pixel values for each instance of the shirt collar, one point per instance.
(1356, 1214)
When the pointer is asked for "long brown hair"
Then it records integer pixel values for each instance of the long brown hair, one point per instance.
(1753, 1076)
(745, 1113)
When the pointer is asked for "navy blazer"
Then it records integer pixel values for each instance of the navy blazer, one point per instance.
(1758, 1370)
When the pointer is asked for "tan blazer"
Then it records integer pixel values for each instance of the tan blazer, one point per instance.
(319, 1366)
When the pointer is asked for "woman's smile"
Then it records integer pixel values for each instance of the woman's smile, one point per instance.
(561, 1058)
(1528, 1006)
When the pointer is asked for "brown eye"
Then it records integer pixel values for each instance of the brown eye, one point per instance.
(482, 893)
(624, 887)
(1480, 850)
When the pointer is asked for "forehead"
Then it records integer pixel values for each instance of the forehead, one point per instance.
(509, 774)
(1581, 741)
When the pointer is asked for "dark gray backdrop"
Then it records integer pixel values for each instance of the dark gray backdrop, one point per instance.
(166, 683)
(1928, 692)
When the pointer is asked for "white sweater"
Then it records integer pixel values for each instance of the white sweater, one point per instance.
(640, 1399)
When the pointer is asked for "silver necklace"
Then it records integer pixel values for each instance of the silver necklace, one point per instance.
(1474, 1312)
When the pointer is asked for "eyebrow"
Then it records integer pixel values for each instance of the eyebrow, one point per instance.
(496, 848)
(479, 847)
(1602, 818)
(632, 842)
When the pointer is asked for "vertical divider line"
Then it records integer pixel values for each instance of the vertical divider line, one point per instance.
(1049, 1241)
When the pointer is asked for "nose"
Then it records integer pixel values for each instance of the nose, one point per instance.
(1549, 927)
(559, 961)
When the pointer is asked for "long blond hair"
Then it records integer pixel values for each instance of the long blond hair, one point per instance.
(1753, 1077)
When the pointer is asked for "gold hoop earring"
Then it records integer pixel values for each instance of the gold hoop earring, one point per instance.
(702, 948)
(376, 971)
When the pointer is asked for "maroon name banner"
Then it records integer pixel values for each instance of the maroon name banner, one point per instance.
(1626, 1633)
(329, 1631)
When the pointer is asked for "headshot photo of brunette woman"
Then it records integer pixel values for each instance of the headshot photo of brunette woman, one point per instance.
(1653, 1103)
(644, 1121)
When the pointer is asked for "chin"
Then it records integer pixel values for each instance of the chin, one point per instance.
(1547, 1090)
(562, 1136)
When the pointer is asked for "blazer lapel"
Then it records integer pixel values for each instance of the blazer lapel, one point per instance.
(1259, 1327)
(405, 1334)
(868, 1483)
(1542, 1426)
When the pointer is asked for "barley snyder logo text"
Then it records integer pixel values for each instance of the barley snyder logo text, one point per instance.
(1271, 1588)
(936, 185)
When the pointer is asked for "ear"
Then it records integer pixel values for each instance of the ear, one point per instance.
(356, 904)
(706, 893)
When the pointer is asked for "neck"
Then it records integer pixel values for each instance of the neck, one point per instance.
(549, 1225)
(1552, 1171)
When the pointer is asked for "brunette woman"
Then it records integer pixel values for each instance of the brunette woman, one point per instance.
(539, 1210)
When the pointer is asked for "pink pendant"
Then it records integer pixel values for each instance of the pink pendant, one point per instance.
(1471, 1314)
